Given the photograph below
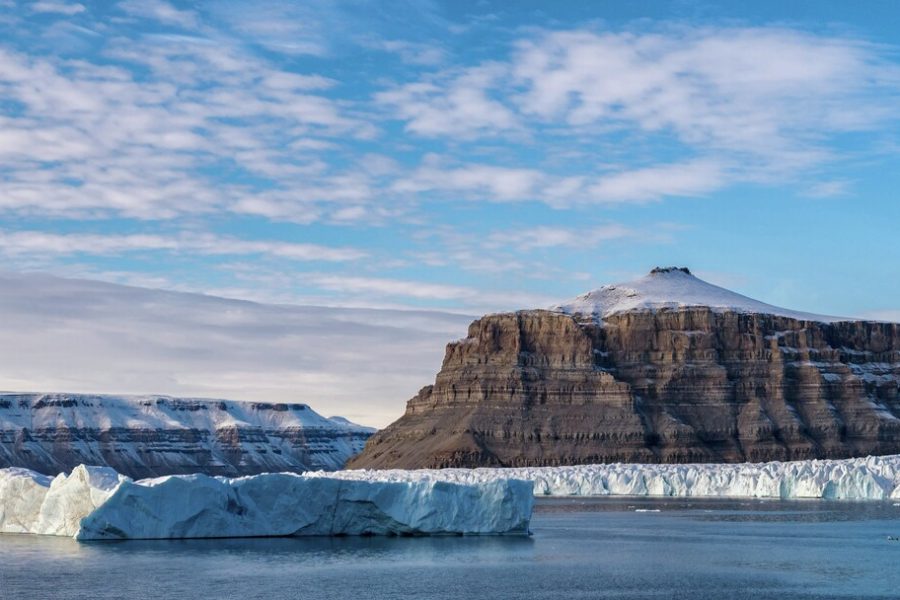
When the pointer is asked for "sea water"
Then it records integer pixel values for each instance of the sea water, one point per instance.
(580, 548)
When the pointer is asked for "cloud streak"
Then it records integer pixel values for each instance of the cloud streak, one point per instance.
(744, 104)
(62, 8)
(88, 140)
(415, 163)
(84, 336)
(38, 243)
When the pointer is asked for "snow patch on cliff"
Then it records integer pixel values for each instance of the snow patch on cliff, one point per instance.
(673, 288)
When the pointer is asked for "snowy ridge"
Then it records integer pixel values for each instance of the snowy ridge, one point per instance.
(870, 478)
(673, 288)
(96, 503)
(40, 411)
(157, 435)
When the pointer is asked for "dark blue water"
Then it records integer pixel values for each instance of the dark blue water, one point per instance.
(580, 549)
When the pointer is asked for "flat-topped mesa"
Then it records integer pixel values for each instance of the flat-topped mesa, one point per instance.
(149, 436)
(668, 369)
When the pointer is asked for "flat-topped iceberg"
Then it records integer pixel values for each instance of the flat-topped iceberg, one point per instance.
(96, 503)
(870, 478)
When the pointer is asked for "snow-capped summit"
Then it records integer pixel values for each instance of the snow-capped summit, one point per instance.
(672, 288)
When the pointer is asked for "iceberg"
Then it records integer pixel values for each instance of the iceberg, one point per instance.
(96, 503)
(869, 478)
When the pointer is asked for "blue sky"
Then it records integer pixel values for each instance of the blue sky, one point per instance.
(469, 156)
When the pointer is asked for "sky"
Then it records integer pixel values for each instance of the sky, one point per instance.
(77, 335)
(459, 157)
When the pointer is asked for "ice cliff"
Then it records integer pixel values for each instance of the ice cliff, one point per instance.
(96, 503)
(870, 478)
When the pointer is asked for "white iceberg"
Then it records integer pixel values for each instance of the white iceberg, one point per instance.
(96, 503)
(870, 478)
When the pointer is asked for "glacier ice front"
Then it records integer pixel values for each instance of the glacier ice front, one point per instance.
(96, 503)
(870, 478)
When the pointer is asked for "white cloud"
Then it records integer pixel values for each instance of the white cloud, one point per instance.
(828, 189)
(37, 243)
(747, 90)
(411, 52)
(292, 28)
(552, 237)
(693, 178)
(369, 290)
(743, 104)
(497, 183)
(91, 141)
(457, 105)
(505, 184)
(389, 287)
(63, 8)
(86, 336)
(161, 11)
(150, 137)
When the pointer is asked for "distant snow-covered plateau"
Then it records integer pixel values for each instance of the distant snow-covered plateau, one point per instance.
(78, 335)
(148, 436)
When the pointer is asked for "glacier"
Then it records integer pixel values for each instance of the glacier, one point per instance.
(97, 503)
(869, 478)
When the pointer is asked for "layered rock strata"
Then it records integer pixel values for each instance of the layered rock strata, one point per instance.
(701, 376)
(149, 436)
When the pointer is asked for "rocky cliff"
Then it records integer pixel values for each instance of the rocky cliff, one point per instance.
(665, 369)
(148, 436)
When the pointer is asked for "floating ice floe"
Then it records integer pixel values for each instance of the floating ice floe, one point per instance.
(870, 478)
(96, 503)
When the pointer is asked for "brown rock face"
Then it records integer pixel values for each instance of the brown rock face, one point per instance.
(537, 388)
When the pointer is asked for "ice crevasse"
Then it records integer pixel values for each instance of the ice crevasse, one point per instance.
(96, 503)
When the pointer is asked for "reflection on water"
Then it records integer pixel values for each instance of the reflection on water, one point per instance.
(308, 551)
(581, 548)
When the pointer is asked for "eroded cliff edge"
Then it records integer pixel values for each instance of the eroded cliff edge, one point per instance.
(670, 385)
